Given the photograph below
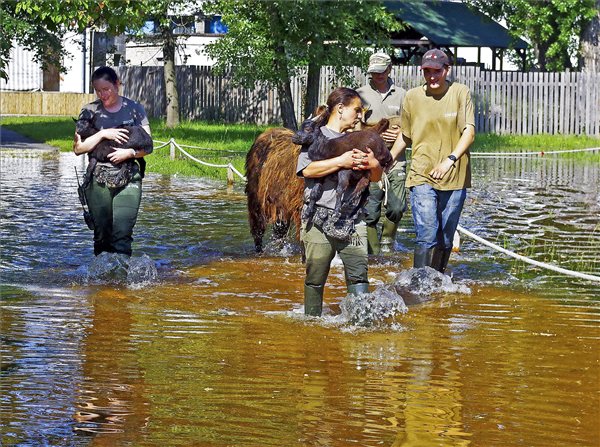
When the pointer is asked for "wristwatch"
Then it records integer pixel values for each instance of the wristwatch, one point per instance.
(453, 158)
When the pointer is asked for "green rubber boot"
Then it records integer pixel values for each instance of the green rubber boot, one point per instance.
(388, 236)
(373, 240)
(439, 260)
(313, 300)
(423, 257)
(357, 289)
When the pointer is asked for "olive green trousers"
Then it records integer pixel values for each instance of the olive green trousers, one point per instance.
(321, 249)
(114, 212)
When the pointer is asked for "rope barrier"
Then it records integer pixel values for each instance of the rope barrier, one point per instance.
(528, 260)
(523, 154)
(229, 166)
(198, 147)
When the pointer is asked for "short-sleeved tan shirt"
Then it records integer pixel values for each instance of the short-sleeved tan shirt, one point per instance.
(435, 124)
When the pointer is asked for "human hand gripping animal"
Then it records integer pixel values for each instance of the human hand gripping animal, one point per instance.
(359, 152)
(115, 147)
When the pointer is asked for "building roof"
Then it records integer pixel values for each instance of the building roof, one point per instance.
(453, 24)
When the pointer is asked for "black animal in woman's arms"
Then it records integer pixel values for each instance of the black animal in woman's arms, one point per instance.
(138, 138)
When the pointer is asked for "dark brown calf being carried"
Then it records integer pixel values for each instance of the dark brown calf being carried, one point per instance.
(274, 191)
(351, 184)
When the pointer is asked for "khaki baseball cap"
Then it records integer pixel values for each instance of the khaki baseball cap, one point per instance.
(378, 63)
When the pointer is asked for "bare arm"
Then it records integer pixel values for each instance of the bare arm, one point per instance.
(466, 139)
(120, 155)
(321, 168)
(82, 147)
(391, 135)
(354, 159)
(400, 146)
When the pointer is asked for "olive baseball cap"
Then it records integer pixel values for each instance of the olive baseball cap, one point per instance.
(378, 63)
(435, 59)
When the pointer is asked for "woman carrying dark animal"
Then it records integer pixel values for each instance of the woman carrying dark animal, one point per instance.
(343, 112)
(113, 206)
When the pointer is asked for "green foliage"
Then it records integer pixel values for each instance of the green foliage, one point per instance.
(271, 41)
(553, 27)
(39, 25)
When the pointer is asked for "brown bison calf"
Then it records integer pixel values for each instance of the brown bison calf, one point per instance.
(351, 184)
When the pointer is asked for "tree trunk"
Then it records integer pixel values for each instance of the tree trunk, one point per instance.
(590, 44)
(312, 89)
(170, 80)
(286, 104)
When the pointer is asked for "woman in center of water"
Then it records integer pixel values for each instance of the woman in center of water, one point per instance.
(342, 113)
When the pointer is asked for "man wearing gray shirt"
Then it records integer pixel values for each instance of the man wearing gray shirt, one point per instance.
(383, 99)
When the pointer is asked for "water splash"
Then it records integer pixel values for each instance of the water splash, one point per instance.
(381, 307)
(115, 268)
(376, 309)
(425, 283)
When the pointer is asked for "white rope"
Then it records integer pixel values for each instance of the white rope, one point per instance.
(529, 154)
(529, 261)
(384, 184)
(228, 166)
(526, 154)
(163, 144)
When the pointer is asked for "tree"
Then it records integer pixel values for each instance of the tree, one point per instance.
(273, 41)
(39, 25)
(168, 16)
(553, 27)
(590, 43)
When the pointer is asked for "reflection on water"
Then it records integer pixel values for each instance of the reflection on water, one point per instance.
(216, 352)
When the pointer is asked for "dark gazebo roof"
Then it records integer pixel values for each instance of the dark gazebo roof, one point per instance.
(449, 24)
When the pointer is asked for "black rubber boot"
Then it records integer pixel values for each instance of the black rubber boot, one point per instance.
(440, 258)
(388, 236)
(313, 300)
(373, 240)
(357, 289)
(423, 257)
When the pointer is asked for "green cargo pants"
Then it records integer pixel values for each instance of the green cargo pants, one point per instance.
(396, 196)
(321, 249)
(394, 208)
(114, 212)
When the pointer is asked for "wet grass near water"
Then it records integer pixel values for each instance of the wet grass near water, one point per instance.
(223, 143)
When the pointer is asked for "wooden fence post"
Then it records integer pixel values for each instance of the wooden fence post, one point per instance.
(172, 149)
(229, 176)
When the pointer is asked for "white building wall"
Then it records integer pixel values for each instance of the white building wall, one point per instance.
(77, 64)
(191, 51)
(23, 73)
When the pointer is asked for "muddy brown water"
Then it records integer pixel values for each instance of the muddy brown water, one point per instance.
(216, 352)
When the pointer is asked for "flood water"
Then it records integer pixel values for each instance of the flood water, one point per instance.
(216, 351)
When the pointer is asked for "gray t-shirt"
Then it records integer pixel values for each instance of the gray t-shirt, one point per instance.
(131, 113)
(328, 198)
(381, 105)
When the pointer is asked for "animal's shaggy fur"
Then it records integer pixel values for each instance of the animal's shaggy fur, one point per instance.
(351, 184)
(138, 138)
(273, 189)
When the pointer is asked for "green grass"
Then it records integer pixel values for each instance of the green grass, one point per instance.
(228, 143)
